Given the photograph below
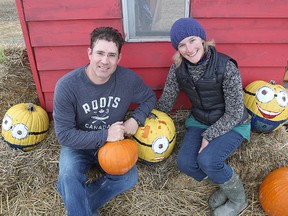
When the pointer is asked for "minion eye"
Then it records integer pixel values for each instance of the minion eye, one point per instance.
(282, 99)
(160, 145)
(265, 94)
(19, 131)
(7, 122)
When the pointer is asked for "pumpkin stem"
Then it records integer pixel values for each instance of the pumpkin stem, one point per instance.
(31, 107)
(152, 116)
(272, 82)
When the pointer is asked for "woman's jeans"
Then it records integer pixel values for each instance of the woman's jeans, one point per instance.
(211, 160)
(81, 198)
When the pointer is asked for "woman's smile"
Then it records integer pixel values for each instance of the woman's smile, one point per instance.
(192, 49)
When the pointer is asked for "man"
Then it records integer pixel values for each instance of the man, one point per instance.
(90, 105)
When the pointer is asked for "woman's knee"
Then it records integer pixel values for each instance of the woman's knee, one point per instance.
(207, 162)
(185, 166)
(191, 169)
(181, 164)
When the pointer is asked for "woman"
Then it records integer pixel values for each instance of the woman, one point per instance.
(218, 122)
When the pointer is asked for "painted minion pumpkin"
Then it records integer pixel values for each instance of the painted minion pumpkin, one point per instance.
(24, 126)
(156, 139)
(267, 105)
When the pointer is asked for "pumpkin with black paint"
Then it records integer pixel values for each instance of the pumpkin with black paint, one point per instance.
(156, 139)
(267, 105)
(24, 126)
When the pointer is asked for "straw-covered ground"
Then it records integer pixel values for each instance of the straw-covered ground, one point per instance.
(28, 180)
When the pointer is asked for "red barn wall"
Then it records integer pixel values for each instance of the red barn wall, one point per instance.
(56, 34)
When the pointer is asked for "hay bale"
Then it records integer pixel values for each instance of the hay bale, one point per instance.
(163, 190)
(28, 180)
(263, 154)
(16, 80)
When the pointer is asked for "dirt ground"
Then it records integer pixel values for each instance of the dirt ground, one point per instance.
(10, 29)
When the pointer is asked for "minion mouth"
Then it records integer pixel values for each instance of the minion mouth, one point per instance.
(158, 159)
(268, 114)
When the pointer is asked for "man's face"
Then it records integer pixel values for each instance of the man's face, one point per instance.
(104, 58)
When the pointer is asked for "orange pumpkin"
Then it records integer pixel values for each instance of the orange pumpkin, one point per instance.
(273, 192)
(117, 158)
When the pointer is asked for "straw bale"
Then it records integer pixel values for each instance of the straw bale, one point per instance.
(28, 180)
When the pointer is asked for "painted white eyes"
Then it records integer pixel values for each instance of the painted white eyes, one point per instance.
(19, 131)
(282, 99)
(160, 145)
(266, 94)
(7, 123)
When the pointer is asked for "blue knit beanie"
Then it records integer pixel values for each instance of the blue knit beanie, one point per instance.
(185, 27)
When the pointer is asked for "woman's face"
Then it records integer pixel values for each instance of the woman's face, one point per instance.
(191, 48)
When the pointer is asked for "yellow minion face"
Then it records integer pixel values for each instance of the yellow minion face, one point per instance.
(156, 139)
(266, 101)
(23, 127)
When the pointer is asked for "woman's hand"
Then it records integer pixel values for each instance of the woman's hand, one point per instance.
(203, 145)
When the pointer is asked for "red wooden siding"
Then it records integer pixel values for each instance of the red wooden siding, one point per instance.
(56, 33)
(242, 9)
(63, 32)
(39, 10)
(257, 55)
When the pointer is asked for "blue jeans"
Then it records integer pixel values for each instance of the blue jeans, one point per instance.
(211, 161)
(81, 198)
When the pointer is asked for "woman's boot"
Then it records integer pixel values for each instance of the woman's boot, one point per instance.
(235, 193)
(217, 199)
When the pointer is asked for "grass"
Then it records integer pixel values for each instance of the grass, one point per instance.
(2, 55)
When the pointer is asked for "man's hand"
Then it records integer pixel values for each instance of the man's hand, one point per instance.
(130, 126)
(116, 132)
